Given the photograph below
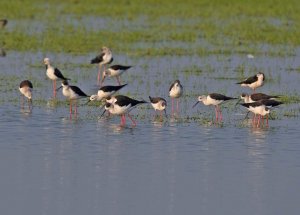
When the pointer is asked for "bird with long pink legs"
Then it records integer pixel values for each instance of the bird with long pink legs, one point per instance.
(73, 93)
(104, 58)
(175, 92)
(54, 74)
(214, 99)
(121, 105)
(261, 108)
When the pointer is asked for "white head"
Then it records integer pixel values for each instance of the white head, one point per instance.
(266, 111)
(46, 61)
(200, 99)
(93, 97)
(260, 76)
(245, 97)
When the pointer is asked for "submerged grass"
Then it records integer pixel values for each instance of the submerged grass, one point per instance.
(205, 27)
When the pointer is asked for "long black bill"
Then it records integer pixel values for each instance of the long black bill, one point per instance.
(103, 113)
(87, 102)
(195, 104)
(58, 88)
(247, 115)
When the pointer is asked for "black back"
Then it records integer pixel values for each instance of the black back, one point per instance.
(58, 74)
(155, 100)
(124, 101)
(260, 96)
(98, 59)
(120, 67)
(270, 103)
(112, 88)
(249, 80)
(26, 83)
(78, 91)
(220, 97)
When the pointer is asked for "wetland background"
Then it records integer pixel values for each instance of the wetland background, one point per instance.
(185, 164)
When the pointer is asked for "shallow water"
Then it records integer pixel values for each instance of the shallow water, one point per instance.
(51, 164)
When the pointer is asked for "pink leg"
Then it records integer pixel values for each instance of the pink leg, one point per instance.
(258, 122)
(70, 106)
(99, 73)
(267, 119)
(54, 90)
(216, 111)
(178, 105)
(220, 113)
(75, 108)
(133, 122)
(22, 101)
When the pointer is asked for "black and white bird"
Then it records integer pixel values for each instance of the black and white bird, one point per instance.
(254, 81)
(26, 90)
(53, 74)
(257, 97)
(214, 99)
(73, 93)
(175, 91)
(115, 71)
(120, 105)
(159, 103)
(261, 108)
(105, 92)
(104, 58)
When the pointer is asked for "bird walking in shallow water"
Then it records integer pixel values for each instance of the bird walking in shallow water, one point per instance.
(254, 81)
(105, 92)
(257, 97)
(214, 99)
(261, 108)
(73, 93)
(115, 71)
(53, 74)
(175, 91)
(159, 103)
(26, 90)
(120, 105)
(104, 58)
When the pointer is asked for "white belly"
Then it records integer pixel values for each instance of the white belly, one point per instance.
(50, 73)
(175, 92)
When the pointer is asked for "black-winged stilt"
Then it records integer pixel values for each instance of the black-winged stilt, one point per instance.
(254, 81)
(214, 99)
(120, 105)
(115, 71)
(105, 91)
(26, 90)
(72, 93)
(105, 57)
(261, 108)
(175, 91)
(257, 97)
(53, 74)
(158, 103)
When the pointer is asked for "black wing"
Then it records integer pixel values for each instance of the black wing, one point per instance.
(58, 74)
(26, 83)
(220, 97)
(112, 88)
(124, 101)
(78, 91)
(98, 59)
(155, 100)
(260, 96)
(270, 103)
(120, 67)
(249, 80)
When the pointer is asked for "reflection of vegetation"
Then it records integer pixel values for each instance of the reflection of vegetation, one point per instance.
(153, 27)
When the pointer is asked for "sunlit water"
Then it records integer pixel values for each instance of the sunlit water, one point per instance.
(51, 164)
